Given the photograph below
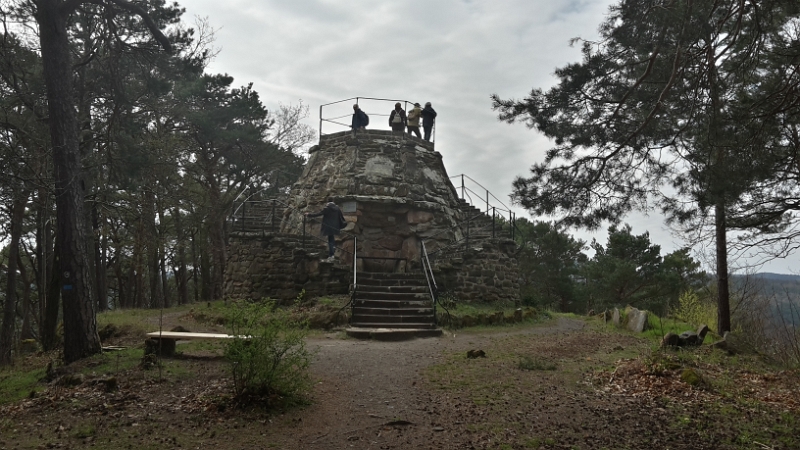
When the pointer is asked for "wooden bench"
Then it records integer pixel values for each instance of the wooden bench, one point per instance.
(164, 342)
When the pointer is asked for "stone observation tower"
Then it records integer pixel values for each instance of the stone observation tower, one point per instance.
(393, 190)
(396, 195)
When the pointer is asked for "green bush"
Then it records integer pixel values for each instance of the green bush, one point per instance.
(695, 310)
(268, 357)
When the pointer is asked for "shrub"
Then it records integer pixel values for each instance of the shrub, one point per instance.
(268, 357)
(695, 310)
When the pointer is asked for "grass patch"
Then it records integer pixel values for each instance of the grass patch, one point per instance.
(657, 327)
(476, 316)
(16, 384)
(108, 363)
(535, 363)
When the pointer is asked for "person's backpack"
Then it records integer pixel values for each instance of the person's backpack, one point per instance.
(366, 119)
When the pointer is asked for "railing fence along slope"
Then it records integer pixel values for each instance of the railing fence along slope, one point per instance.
(498, 212)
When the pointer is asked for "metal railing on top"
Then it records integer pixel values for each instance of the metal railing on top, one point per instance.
(340, 113)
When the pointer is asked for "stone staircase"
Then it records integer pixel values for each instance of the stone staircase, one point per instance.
(480, 223)
(258, 216)
(392, 306)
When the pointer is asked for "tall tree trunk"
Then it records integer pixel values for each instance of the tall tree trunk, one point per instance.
(195, 265)
(80, 322)
(162, 251)
(218, 255)
(153, 266)
(100, 242)
(723, 302)
(180, 277)
(718, 182)
(119, 275)
(49, 327)
(27, 329)
(206, 291)
(136, 276)
(10, 307)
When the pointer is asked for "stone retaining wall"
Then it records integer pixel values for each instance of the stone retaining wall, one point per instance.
(489, 273)
(277, 267)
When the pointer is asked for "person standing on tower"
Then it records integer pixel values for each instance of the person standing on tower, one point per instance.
(413, 120)
(360, 119)
(428, 117)
(397, 119)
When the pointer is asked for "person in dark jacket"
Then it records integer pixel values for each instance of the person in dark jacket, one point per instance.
(332, 223)
(397, 119)
(428, 116)
(360, 119)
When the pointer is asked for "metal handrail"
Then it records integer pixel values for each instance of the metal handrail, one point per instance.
(464, 188)
(427, 269)
(333, 120)
(352, 302)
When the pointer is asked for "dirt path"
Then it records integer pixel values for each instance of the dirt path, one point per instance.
(372, 395)
(531, 391)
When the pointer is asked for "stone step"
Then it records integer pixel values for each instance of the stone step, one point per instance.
(392, 334)
(392, 275)
(392, 296)
(428, 326)
(393, 320)
(372, 282)
(392, 312)
(376, 288)
(370, 303)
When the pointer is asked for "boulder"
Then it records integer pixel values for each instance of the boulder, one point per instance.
(637, 320)
(670, 340)
(702, 330)
(615, 317)
(688, 338)
(472, 354)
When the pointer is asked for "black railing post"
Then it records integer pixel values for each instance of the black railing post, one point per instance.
(487, 201)
(463, 195)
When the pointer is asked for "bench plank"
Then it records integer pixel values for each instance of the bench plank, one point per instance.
(182, 335)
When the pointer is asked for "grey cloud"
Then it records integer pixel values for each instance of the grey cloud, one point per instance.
(454, 53)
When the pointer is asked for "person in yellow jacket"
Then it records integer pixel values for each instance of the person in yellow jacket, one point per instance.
(413, 120)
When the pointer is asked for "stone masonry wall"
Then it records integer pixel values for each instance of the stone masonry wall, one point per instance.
(393, 189)
(488, 273)
(275, 266)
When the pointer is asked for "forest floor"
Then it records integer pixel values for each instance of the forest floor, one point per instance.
(568, 383)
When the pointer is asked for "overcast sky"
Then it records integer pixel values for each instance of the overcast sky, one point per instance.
(452, 53)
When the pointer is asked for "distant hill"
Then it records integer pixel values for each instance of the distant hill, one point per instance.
(782, 288)
(777, 276)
